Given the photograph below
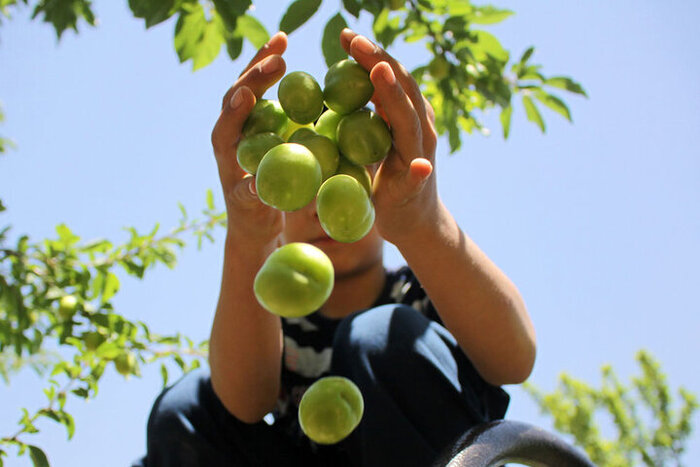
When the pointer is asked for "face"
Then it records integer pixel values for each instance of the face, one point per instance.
(348, 258)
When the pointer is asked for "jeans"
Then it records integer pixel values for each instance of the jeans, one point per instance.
(420, 392)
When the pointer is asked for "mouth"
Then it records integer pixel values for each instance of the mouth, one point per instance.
(323, 240)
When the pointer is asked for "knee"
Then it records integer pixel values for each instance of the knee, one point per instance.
(171, 417)
(378, 338)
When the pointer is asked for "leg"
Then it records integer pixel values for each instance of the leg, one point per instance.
(189, 426)
(420, 390)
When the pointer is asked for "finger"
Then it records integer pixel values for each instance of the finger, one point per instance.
(368, 55)
(275, 46)
(244, 193)
(401, 114)
(259, 78)
(227, 132)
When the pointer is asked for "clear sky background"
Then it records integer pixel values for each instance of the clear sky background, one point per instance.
(597, 223)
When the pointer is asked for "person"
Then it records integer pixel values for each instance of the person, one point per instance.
(428, 344)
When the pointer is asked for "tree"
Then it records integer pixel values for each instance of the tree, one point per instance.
(56, 294)
(648, 429)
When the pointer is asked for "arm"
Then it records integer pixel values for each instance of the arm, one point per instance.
(245, 346)
(476, 301)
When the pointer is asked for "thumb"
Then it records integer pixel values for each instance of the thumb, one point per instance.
(419, 171)
(244, 193)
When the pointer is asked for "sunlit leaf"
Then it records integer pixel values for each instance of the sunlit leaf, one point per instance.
(197, 38)
(253, 30)
(554, 103)
(563, 82)
(506, 114)
(533, 114)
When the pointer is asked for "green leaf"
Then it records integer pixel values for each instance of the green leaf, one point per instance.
(197, 38)
(330, 44)
(533, 114)
(488, 44)
(230, 11)
(506, 114)
(297, 14)
(386, 28)
(64, 14)
(488, 15)
(234, 46)
(38, 456)
(154, 11)
(554, 103)
(164, 374)
(563, 82)
(253, 30)
(353, 7)
(526, 55)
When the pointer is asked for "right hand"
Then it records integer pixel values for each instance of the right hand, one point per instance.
(248, 217)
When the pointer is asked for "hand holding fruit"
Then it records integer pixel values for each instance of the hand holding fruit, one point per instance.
(404, 189)
(248, 217)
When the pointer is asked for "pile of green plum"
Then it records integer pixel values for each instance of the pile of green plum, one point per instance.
(315, 143)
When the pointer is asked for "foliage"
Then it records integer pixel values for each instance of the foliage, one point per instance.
(57, 312)
(467, 71)
(57, 316)
(648, 429)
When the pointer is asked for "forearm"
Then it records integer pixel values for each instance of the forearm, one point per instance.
(477, 302)
(245, 345)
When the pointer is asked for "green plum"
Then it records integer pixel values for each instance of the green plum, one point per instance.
(67, 306)
(292, 127)
(347, 87)
(344, 209)
(288, 177)
(359, 172)
(363, 137)
(322, 147)
(330, 409)
(267, 115)
(252, 149)
(296, 279)
(301, 97)
(327, 124)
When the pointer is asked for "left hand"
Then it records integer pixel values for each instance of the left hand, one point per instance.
(404, 188)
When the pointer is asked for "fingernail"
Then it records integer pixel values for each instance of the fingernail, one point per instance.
(236, 99)
(388, 74)
(365, 46)
(271, 65)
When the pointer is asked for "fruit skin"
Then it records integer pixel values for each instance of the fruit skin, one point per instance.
(330, 409)
(358, 172)
(288, 177)
(67, 306)
(292, 127)
(327, 125)
(296, 279)
(125, 363)
(439, 68)
(347, 87)
(325, 150)
(252, 149)
(93, 339)
(344, 209)
(363, 137)
(267, 115)
(301, 97)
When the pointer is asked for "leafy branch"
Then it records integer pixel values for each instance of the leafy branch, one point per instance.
(649, 430)
(56, 310)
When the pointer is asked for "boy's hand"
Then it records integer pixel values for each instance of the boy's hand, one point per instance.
(404, 187)
(248, 217)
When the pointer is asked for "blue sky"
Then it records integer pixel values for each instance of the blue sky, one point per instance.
(597, 223)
